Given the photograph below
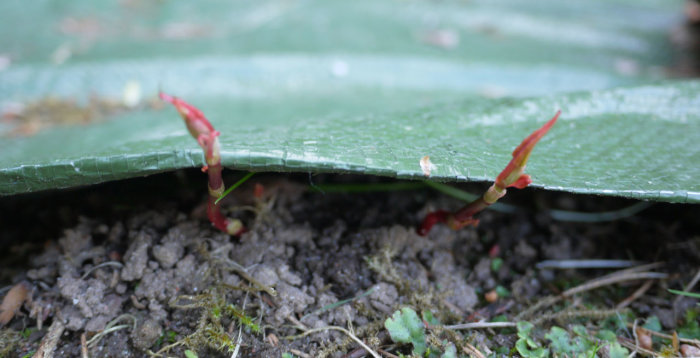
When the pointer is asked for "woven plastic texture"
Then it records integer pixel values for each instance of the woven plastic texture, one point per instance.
(358, 87)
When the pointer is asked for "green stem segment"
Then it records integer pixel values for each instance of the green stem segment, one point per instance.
(234, 186)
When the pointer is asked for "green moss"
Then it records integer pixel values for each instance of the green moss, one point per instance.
(8, 340)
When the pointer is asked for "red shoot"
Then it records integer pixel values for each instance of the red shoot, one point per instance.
(259, 191)
(207, 138)
(512, 176)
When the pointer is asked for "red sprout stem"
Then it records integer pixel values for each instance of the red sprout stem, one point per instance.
(512, 176)
(215, 216)
(207, 137)
(471, 209)
(216, 183)
(431, 219)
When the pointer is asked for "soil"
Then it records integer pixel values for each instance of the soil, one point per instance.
(138, 260)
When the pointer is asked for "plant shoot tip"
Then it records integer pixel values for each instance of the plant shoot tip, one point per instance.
(166, 97)
(512, 176)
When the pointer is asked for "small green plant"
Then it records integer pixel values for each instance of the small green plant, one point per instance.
(527, 346)
(25, 333)
(512, 176)
(502, 291)
(690, 328)
(167, 336)
(653, 324)
(170, 336)
(405, 326)
(615, 350)
(208, 138)
(496, 264)
(618, 322)
(450, 352)
(562, 343)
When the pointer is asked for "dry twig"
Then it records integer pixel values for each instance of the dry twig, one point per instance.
(222, 255)
(668, 336)
(472, 351)
(336, 328)
(635, 347)
(297, 324)
(83, 346)
(635, 295)
(686, 288)
(613, 279)
(630, 274)
(481, 325)
(299, 353)
(110, 327)
(104, 264)
(388, 354)
(597, 314)
(50, 340)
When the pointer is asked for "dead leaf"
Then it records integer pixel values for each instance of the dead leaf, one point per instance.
(272, 338)
(644, 338)
(690, 351)
(674, 342)
(13, 301)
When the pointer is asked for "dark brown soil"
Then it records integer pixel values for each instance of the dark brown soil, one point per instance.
(143, 248)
